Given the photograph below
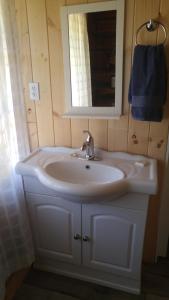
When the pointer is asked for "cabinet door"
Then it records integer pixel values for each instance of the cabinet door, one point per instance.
(113, 239)
(55, 222)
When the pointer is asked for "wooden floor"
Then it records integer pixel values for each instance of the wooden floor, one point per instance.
(33, 284)
(14, 282)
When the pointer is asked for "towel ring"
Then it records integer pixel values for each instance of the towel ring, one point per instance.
(152, 25)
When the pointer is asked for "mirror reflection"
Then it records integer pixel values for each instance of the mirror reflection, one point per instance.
(92, 44)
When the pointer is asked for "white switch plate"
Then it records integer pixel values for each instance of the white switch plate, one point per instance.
(34, 91)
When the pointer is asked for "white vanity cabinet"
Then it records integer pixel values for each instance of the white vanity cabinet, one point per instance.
(97, 242)
(88, 216)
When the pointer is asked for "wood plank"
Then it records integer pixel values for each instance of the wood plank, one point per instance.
(138, 137)
(33, 136)
(56, 68)
(118, 140)
(25, 56)
(62, 132)
(98, 129)
(163, 17)
(40, 66)
(93, 1)
(77, 127)
(71, 2)
(158, 140)
(117, 134)
(56, 54)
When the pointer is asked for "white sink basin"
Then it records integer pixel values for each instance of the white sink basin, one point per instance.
(83, 172)
(90, 181)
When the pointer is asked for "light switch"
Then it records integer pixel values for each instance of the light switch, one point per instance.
(34, 91)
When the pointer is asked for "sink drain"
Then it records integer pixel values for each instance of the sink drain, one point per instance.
(87, 167)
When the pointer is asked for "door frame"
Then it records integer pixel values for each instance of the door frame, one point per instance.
(163, 224)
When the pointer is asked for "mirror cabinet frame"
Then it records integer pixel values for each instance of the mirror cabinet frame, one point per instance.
(94, 112)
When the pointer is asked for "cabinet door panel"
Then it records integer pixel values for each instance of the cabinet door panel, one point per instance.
(105, 228)
(115, 239)
(54, 223)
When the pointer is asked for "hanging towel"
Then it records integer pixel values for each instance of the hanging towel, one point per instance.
(148, 83)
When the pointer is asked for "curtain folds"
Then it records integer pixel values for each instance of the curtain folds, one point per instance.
(16, 249)
(79, 60)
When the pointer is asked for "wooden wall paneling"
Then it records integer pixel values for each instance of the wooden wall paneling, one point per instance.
(62, 132)
(144, 10)
(77, 127)
(33, 136)
(56, 54)
(159, 131)
(71, 2)
(117, 134)
(99, 130)
(25, 56)
(26, 70)
(57, 72)
(158, 139)
(118, 129)
(40, 66)
(93, 1)
(138, 137)
(163, 16)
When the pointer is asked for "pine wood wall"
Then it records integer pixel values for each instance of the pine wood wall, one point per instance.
(40, 47)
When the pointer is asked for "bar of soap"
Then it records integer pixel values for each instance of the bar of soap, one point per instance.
(141, 163)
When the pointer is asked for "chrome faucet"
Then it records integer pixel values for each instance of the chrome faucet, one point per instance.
(88, 145)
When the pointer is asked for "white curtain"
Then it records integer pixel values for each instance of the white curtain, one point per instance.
(16, 249)
(79, 60)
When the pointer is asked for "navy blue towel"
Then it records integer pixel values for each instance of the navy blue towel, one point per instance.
(148, 83)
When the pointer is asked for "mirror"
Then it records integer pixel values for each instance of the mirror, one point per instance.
(92, 36)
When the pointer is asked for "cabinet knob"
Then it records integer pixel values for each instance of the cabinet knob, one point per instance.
(77, 236)
(86, 238)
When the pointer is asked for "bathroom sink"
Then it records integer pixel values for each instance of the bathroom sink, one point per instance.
(84, 181)
(83, 172)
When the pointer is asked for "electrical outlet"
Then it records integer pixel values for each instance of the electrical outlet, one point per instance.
(34, 91)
